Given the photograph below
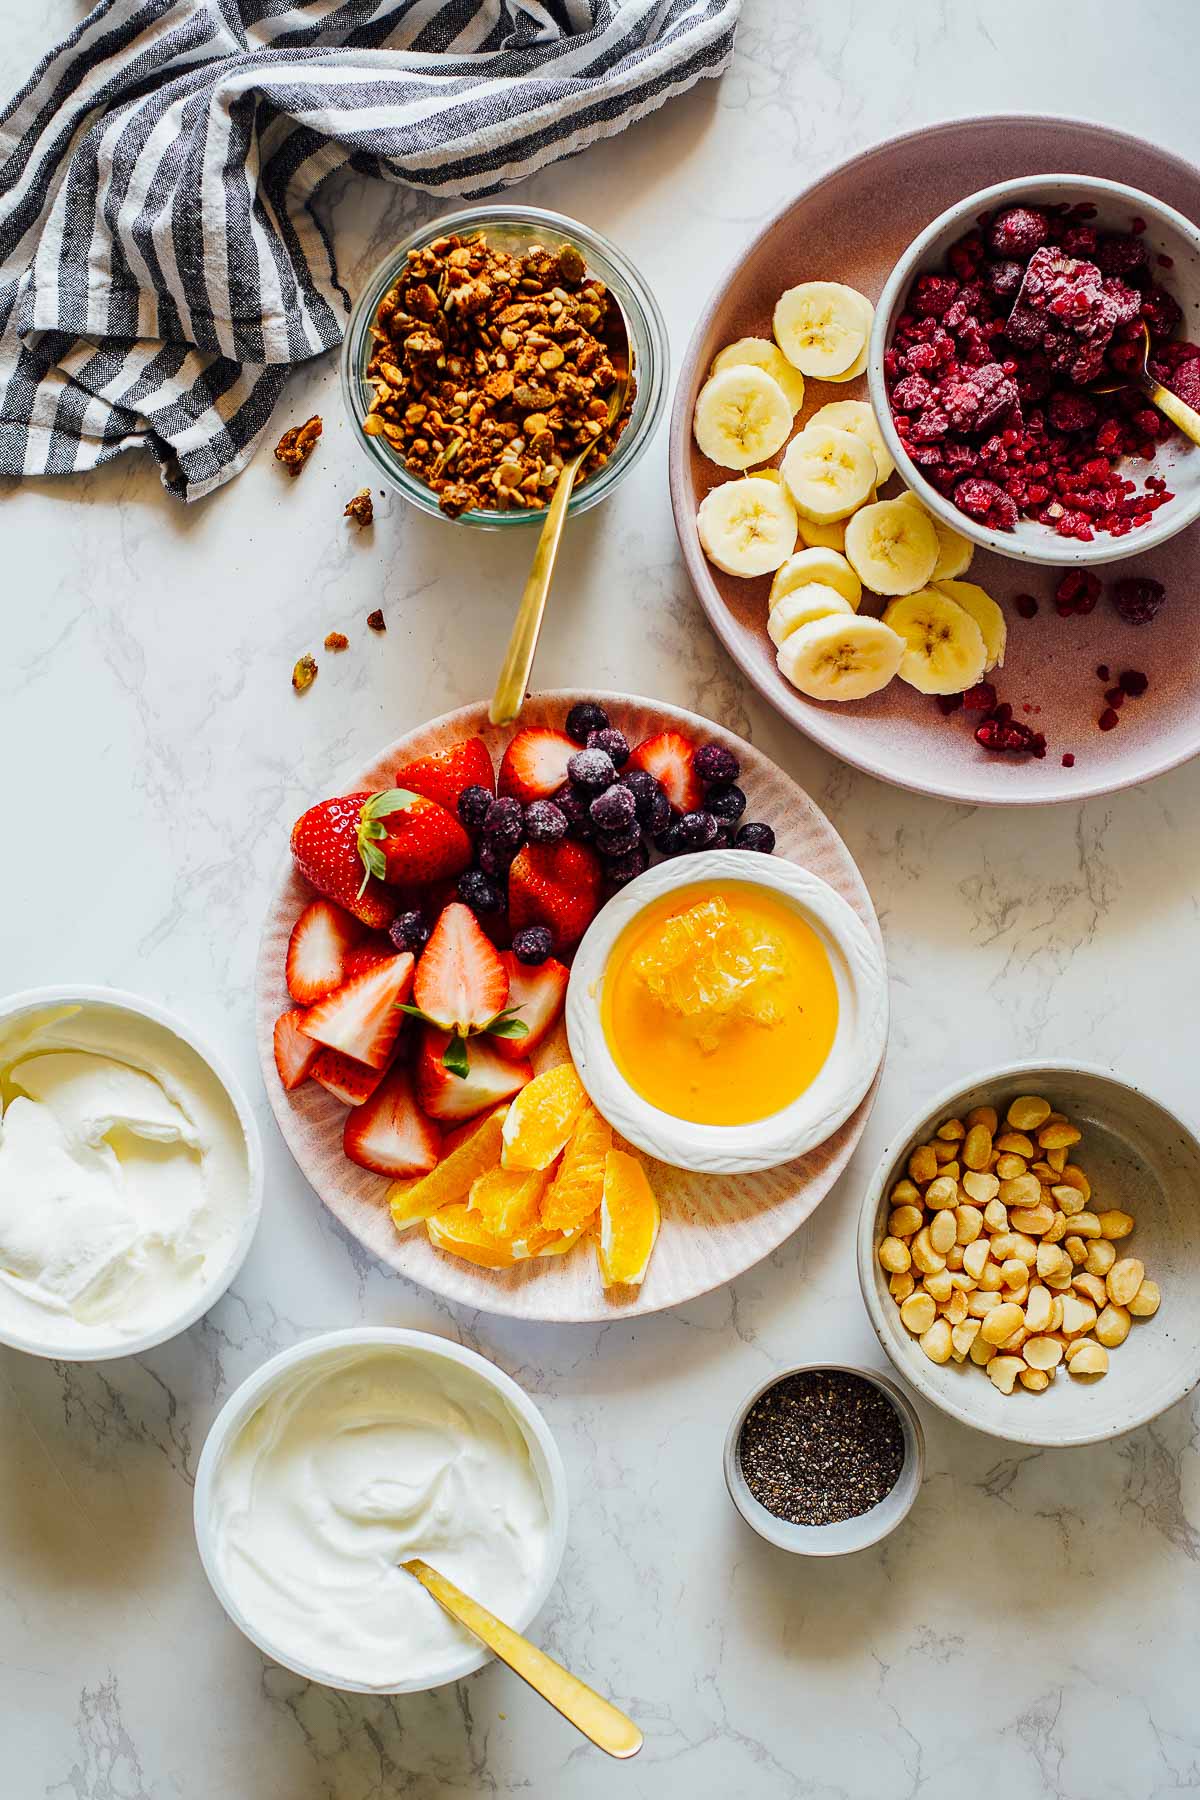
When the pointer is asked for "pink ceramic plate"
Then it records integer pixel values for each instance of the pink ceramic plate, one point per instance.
(714, 1227)
(851, 226)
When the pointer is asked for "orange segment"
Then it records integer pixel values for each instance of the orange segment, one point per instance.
(542, 1118)
(509, 1201)
(629, 1220)
(546, 1243)
(476, 1148)
(575, 1192)
(460, 1231)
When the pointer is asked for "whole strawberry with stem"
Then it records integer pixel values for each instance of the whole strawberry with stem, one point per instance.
(349, 847)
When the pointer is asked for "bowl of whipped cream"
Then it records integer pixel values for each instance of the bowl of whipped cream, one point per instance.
(347, 1455)
(130, 1174)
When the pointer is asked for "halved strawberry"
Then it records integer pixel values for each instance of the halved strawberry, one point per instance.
(444, 775)
(536, 997)
(556, 885)
(461, 984)
(363, 1016)
(389, 1133)
(669, 758)
(348, 1081)
(488, 1080)
(535, 764)
(295, 1051)
(321, 939)
(373, 950)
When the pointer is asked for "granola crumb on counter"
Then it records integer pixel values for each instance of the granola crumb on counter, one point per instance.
(376, 620)
(304, 673)
(361, 509)
(297, 445)
(491, 370)
(336, 640)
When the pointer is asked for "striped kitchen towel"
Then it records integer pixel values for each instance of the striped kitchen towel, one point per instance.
(164, 257)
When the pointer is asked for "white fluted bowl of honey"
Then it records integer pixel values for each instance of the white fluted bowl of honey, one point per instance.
(727, 1011)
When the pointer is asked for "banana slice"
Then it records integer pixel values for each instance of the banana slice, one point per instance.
(823, 537)
(747, 527)
(945, 648)
(801, 607)
(828, 472)
(857, 367)
(892, 547)
(822, 327)
(742, 417)
(955, 550)
(986, 614)
(840, 658)
(817, 565)
(858, 416)
(760, 353)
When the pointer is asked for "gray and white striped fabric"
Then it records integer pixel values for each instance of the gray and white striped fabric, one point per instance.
(163, 256)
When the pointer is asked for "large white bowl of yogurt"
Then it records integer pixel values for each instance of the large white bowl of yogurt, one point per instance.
(346, 1456)
(130, 1174)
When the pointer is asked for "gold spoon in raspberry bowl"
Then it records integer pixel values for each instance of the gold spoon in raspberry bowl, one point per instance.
(1177, 410)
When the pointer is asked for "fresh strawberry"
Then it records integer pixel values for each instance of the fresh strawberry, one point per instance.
(389, 1133)
(325, 848)
(556, 885)
(535, 997)
(295, 1051)
(321, 940)
(461, 984)
(444, 775)
(368, 955)
(488, 1080)
(535, 764)
(348, 1081)
(669, 758)
(363, 1017)
(406, 838)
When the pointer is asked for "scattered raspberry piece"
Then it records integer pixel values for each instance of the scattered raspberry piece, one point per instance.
(1133, 682)
(376, 620)
(981, 698)
(950, 703)
(1108, 719)
(1102, 672)
(1068, 761)
(1138, 598)
(1115, 697)
(1026, 605)
(1077, 593)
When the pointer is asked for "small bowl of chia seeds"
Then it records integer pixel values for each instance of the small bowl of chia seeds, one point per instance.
(824, 1459)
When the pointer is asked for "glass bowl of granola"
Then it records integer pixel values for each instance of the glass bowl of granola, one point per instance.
(488, 348)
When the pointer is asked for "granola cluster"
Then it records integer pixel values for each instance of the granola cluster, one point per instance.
(297, 445)
(491, 370)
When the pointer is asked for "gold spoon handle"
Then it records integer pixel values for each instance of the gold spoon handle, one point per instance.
(513, 680)
(1177, 410)
(596, 1717)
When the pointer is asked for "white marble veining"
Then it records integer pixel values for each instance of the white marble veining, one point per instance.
(1032, 1629)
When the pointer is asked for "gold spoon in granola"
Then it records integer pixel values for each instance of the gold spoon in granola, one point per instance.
(513, 681)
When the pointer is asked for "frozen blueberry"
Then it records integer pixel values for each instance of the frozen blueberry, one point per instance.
(714, 765)
(585, 717)
(628, 868)
(494, 859)
(646, 791)
(478, 891)
(726, 802)
(532, 944)
(614, 810)
(504, 826)
(545, 823)
(618, 843)
(672, 842)
(473, 804)
(699, 829)
(615, 742)
(409, 931)
(755, 837)
(574, 808)
(592, 769)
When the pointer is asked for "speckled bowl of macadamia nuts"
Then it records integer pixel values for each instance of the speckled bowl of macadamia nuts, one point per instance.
(1029, 1254)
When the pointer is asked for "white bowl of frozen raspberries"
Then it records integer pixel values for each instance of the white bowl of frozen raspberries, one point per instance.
(989, 339)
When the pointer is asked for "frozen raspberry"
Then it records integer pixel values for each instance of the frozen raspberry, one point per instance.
(1118, 254)
(934, 295)
(1071, 412)
(912, 393)
(1077, 593)
(1004, 279)
(755, 837)
(949, 704)
(613, 741)
(1081, 240)
(532, 944)
(980, 698)
(1162, 312)
(1068, 761)
(1126, 300)
(980, 399)
(715, 765)
(1018, 232)
(984, 501)
(585, 717)
(1026, 605)
(1137, 598)
(473, 805)
(1133, 682)
(930, 426)
(1109, 719)
(545, 823)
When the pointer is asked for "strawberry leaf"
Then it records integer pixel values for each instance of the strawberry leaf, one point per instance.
(414, 1011)
(455, 1060)
(504, 1025)
(371, 831)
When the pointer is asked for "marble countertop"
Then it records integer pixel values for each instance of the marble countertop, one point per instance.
(1033, 1629)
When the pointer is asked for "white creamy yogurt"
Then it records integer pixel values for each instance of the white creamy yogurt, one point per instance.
(124, 1176)
(351, 1463)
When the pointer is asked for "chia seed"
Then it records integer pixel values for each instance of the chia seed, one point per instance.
(820, 1447)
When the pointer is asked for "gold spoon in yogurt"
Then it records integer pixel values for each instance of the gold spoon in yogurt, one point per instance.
(588, 1711)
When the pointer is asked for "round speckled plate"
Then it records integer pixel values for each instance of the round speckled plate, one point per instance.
(851, 226)
(714, 1227)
